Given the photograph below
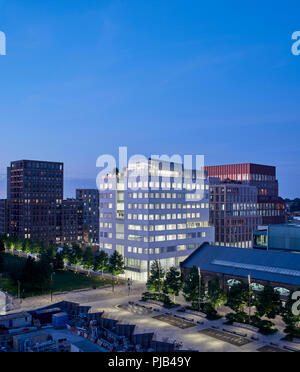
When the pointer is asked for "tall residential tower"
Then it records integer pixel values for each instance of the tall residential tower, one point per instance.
(35, 188)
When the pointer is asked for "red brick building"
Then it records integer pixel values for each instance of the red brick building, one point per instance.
(271, 207)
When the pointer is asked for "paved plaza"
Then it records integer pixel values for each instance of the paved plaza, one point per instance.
(199, 334)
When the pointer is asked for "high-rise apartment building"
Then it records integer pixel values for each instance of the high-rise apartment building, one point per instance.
(69, 222)
(4, 216)
(35, 189)
(234, 213)
(162, 216)
(271, 207)
(90, 207)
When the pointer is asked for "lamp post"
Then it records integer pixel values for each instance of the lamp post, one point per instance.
(249, 281)
(158, 262)
(19, 289)
(52, 286)
(199, 274)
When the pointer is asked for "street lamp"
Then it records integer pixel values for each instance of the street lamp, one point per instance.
(249, 281)
(19, 289)
(199, 274)
(51, 291)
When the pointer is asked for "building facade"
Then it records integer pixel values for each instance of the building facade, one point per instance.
(234, 213)
(69, 222)
(153, 219)
(271, 207)
(35, 188)
(90, 206)
(232, 265)
(285, 238)
(4, 216)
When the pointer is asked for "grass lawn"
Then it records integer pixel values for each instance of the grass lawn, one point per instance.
(63, 281)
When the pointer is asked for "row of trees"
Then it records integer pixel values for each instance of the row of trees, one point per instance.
(239, 298)
(58, 259)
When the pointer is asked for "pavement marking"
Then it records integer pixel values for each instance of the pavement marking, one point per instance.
(175, 322)
(225, 337)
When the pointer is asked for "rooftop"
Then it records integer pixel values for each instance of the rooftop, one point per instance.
(271, 266)
(15, 316)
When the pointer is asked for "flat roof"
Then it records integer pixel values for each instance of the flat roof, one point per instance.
(15, 316)
(270, 266)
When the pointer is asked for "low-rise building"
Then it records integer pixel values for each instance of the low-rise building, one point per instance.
(18, 320)
(232, 265)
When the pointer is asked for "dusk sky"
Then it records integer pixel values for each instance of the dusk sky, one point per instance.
(82, 78)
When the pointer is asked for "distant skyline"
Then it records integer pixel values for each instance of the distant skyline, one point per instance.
(82, 78)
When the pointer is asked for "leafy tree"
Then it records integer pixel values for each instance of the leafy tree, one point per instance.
(2, 247)
(116, 266)
(88, 259)
(27, 246)
(66, 255)
(157, 274)
(101, 262)
(1, 263)
(191, 288)
(238, 297)
(43, 270)
(268, 303)
(18, 246)
(291, 320)
(28, 273)
(173, 282)
(76, 256)
(217, 296)
(58, 262)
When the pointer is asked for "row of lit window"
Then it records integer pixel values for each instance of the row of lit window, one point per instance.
(162, 217)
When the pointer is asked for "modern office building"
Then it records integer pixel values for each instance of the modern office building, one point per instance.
(284, 238)
(271, 207)
(69, 222)
(90, 206)
(234, 213)
(4, 216)
(35, 188)
(163, 215)
(233, 265)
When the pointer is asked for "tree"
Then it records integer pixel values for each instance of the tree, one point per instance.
(173, 282)
(217, 296)
(88, 259)
(66, 254)
(58, 262)
(268, 303)
(76, 256)
(291, 320)
(18, 245)
(191, 288)
(116, 266)
(43, 270)
(238, 297)
(27, 246)
(157, 274)
(101, 262)
(2, 247)
(1, 263)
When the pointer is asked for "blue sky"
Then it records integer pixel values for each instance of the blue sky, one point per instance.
(82, 78)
